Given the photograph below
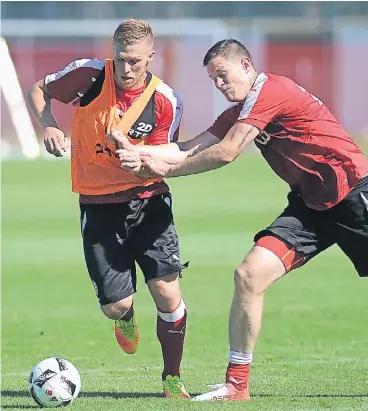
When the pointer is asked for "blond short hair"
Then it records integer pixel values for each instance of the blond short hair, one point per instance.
(132, 31)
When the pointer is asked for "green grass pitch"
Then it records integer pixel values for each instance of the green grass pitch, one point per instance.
(312, 351)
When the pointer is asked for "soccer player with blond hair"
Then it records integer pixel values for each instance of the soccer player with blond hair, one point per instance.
(124, 219)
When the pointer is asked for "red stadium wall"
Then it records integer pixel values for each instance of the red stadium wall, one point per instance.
(311, 65)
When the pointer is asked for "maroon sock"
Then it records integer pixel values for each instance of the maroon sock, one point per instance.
(171, 336)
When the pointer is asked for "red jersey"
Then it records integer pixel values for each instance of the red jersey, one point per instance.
(300, 139)
(81, 82)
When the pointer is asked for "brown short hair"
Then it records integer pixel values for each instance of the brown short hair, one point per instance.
(227, 48)
(132, 31)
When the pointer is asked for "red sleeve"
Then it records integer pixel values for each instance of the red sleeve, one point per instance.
(225, 121)
(266, 101)
(74, 80)
(168, 114)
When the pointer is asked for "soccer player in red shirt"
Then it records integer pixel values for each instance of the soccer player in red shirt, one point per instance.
(124, 219)
(307, 147)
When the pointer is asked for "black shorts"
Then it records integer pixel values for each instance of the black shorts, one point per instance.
(116, 236)
(310, 231)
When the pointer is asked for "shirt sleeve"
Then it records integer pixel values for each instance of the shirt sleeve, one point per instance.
(225, 121)
(74, 80)
(265, 102)
(168, 114)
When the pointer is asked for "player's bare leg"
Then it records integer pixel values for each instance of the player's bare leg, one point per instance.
(171, 327)
(126, 330)
(259, 270)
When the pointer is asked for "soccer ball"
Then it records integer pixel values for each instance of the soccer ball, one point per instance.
(54, 382)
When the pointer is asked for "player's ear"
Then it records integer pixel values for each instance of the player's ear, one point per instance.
(246, 64)
(151, 55)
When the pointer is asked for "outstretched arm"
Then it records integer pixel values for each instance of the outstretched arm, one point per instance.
(234, 143)
(129, 153)
(165, 154)
(177, 152)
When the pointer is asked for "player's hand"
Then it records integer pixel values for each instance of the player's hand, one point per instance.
(55, 141)
(128, 155)
(130, 160)
(153, 167)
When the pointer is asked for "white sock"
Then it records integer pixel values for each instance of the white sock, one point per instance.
(240, 357)
(175, 315)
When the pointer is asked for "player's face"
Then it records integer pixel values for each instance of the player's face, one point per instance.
(131, 63)
(233, 77)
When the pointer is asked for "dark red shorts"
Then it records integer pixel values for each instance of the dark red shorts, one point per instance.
(300, 233)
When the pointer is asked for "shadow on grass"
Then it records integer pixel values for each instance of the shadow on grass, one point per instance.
(118, 395)
(20, 407)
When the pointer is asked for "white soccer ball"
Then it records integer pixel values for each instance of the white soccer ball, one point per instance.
(54, 382)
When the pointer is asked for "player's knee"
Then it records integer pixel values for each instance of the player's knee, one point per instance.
(166, 292)
(260, 269)
(115, 311)
(247, 279)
